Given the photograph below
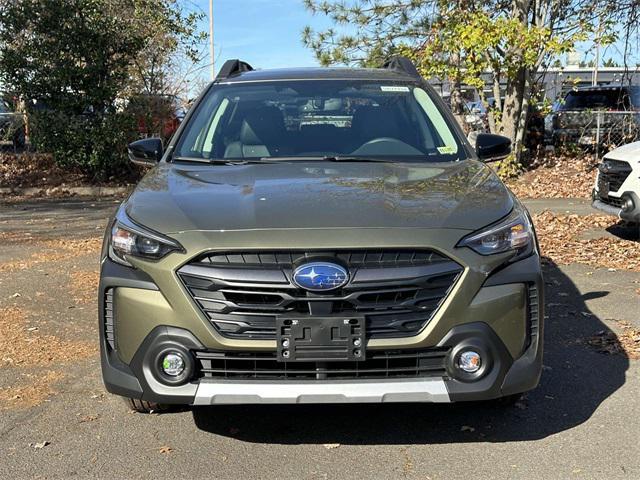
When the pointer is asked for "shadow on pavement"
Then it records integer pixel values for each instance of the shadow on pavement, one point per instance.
(575, 381)
(625, 231)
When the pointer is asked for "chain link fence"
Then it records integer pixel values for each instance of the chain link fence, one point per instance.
(593, 132)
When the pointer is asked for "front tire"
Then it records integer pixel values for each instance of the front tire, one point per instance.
(142, 406)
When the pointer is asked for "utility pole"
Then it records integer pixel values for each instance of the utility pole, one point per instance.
(594, 79)
(213, 68)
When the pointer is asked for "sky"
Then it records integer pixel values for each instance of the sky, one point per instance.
(264, 33)
(267, 33)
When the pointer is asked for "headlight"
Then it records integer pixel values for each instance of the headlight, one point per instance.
(130, 239)
(513, 233)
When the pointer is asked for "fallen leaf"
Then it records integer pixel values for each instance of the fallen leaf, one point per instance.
(331, 446)
(166, 449)
(39, 445)
(88, 418)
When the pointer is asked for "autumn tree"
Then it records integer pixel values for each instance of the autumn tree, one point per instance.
(76, 62)
(458, 41)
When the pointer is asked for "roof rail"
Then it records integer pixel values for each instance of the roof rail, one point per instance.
(403, 64)
(232, 68)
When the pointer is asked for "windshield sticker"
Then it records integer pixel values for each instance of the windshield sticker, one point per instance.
(390, 88)
(446, 150)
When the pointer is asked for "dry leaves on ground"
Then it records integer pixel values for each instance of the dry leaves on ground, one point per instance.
(557, 177)
(53, 251)
(20, 346)
(84, 286)
(33, 393)
(626, 343)
(559, 241)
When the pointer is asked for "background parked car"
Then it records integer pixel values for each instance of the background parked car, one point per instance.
(617, 188)
(604, 116)
(12, 127)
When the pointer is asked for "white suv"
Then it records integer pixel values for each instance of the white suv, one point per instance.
(617, 189)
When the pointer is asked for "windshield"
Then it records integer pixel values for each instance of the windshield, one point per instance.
(323, 118)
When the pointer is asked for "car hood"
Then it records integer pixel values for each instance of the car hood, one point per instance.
(300, 195)
(629, 152)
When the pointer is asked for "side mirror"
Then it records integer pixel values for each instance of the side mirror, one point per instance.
(491, 148)
(147, 151)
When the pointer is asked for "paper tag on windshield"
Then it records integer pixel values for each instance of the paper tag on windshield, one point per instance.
(446, 150)
(394, 88)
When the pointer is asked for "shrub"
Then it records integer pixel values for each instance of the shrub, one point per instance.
(95, 145)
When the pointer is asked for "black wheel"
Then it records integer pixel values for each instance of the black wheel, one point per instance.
(142, 406)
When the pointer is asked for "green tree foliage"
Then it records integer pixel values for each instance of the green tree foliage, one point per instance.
(76, 62)
(457, 41)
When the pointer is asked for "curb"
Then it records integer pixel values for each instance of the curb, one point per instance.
(75, 191)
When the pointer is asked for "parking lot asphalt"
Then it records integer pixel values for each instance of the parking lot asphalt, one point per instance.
(56, 420)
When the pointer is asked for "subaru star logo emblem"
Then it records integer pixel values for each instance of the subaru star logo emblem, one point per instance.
(320, 276)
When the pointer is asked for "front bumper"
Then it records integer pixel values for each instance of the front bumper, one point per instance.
(487, 323)
(610, 205)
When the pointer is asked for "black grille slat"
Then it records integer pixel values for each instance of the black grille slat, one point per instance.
(109, 318)
(361, 258)
(390, 364)
(533, 305)
(398, 291)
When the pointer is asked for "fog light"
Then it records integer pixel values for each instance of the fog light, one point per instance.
(470, 361)
(627, 205)
(173, 364)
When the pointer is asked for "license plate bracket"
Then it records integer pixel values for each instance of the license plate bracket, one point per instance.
(321, 339)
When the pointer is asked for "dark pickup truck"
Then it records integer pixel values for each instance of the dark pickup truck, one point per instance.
(604, 116)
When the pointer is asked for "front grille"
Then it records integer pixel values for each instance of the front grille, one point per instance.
(109, 324)
(397, 291)
(614, 172)
(382, 364)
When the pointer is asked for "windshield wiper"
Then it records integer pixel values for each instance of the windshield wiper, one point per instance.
(217, 161)
(247, 161)
(351, 158)
(324, 158)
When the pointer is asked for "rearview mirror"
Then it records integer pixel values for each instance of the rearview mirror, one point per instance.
(491, 148)
(147, 151)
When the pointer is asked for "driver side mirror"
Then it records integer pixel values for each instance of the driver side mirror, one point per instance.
(491, 148)
(147, 151)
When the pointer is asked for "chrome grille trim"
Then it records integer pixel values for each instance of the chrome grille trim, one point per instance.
(242, 300)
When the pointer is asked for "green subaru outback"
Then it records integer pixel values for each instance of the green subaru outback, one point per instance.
(315, 236)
